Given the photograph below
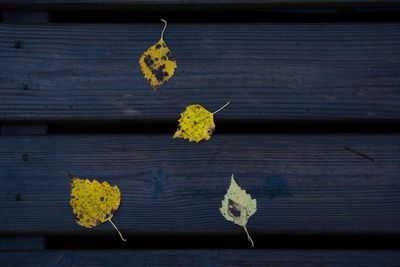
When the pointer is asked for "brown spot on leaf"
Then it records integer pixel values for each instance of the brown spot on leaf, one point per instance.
(159, 73)
(148, 61)
(234, 209)
(170, 56)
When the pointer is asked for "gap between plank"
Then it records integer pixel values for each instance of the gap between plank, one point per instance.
(239, 241)
(226, 126)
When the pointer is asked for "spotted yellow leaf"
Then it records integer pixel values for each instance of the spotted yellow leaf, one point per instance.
(94, 203)
(238, 206)
(196, 123)
(157, 63)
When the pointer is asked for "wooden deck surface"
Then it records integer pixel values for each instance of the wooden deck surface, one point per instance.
(310, 132)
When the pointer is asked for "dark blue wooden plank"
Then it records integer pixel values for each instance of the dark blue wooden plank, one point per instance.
(269, 71)
(9, 243)
(304, 184)
(199, 3)
(173, 258)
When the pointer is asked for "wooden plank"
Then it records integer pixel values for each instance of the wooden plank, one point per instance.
(23, 129)
(221, 3)
(303, 184)
(18, 17)
(285, 258)
(8, 243)
(338, 71)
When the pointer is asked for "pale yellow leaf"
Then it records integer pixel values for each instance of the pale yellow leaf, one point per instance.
(238, 206)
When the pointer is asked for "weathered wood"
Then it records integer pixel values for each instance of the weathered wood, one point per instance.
(302, 183)
(23, 129)
(21, 17)
(198, 3)
(8, 243)
(284, 258)
(268, 71)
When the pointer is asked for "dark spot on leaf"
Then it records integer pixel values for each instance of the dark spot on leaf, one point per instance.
(164, 45)
(101, 198)
(148, 61)
(113, 211)
(166, 74)
(233, 208)
(163, 58)
(158, 46)
(81, 215)
(170, 56)
(159, 73)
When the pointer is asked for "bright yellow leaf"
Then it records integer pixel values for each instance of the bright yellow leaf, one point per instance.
(196, 123)
(238, 206)
(157, 63)
(94, 203)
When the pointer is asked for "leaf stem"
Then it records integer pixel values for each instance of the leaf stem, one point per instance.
(248, 236)
(120, 235)
(221, 108)
(165, 26)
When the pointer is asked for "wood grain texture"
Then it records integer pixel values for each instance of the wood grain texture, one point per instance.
(12, 243)
(337, 71)
(268, 3)
(17, 17)
(285, 258)
(302, 183)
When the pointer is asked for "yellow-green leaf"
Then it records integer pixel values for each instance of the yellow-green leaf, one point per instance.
(158, 63)
(196, 123)
(238, 206)
(94, 203)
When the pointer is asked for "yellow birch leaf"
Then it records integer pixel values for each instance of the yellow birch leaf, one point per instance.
(157, 63)
(238, 206)
(196, 123)
(94, 203)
